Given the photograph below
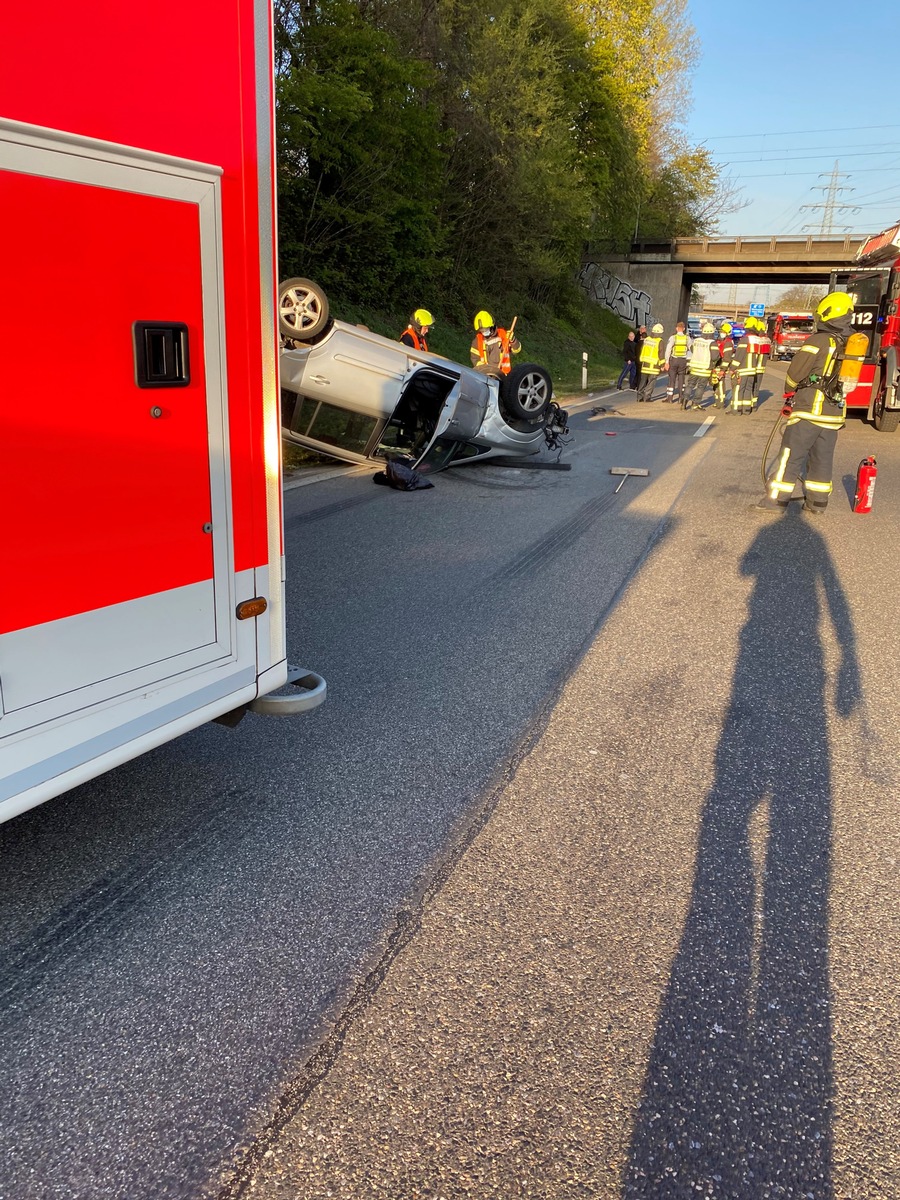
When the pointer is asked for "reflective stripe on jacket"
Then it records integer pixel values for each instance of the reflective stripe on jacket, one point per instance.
(816, 362)
(704, 356)
(650, 353)
(743, 363)
(485, 349)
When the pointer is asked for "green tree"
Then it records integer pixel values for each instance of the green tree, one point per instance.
(358, 153)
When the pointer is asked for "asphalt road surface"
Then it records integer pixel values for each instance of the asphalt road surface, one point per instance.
(582, 882)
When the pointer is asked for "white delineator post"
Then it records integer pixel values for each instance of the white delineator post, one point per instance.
(584, 370)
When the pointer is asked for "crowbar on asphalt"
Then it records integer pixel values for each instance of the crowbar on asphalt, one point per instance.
(626, 471)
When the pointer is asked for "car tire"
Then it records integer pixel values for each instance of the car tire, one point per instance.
(526, 392)
(887, 419)
(303, 312)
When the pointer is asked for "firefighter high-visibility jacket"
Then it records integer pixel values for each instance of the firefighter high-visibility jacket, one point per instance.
(678, 346)
(704, 357)
(726, 355)
(764, 349)
(412, 337)
(491, 353)
(651, 362)
(814, 366)
(743, 364)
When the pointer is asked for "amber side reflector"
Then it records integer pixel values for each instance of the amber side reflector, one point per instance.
(251, 608)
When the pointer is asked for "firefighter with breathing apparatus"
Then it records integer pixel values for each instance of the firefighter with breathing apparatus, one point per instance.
(813, 407)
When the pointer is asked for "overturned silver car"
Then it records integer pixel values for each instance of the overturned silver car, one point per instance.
(357, 396)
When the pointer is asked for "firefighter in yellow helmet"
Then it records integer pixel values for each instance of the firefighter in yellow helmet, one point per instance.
(763, 350)
(724, 369)
(743, 369)
(814, 407)
(420, 324)
(703, 362)
(651, 360)
(492, 346)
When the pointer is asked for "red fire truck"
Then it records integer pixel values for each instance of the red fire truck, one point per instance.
(788, 331)
(141, 562)
(874, 283)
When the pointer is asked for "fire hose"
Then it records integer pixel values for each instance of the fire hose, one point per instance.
(783, 414)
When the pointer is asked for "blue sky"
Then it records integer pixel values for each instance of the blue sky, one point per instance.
(800, 78)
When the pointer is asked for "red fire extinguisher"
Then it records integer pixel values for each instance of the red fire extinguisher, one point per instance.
(865, 485)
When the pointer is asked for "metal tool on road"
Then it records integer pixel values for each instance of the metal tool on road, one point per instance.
(626, 471)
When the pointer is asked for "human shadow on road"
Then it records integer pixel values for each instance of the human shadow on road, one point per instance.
(738, 1097)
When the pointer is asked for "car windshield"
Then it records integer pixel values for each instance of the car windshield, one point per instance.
(799, 325)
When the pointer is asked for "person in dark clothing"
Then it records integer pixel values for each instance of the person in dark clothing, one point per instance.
(629, 361)
(814, 407)
(638, 341)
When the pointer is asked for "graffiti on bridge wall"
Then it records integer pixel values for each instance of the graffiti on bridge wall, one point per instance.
(627, 302)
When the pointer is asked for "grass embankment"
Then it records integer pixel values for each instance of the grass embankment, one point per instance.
(555, 342)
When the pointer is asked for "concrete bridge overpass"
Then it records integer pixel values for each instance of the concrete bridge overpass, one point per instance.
(653, 280)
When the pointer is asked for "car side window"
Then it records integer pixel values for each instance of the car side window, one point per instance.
(334, 426)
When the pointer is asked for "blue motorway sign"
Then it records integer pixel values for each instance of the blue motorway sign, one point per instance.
(757, 310)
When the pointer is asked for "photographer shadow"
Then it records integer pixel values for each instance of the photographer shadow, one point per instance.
(738, 1096)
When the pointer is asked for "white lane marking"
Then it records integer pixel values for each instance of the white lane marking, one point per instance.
(704, 428)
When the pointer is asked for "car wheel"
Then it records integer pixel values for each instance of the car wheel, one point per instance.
(302, 310)
(887, 419)
(526, 392)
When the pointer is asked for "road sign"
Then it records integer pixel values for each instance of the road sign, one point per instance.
(757, 310)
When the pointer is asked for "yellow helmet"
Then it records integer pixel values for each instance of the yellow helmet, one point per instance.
(657, 328)
(483, 320)
(725, 328)
(423, 317)
(834, 305)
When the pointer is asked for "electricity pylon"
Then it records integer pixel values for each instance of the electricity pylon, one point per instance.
(830, 204)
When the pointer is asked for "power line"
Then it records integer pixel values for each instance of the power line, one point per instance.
(724, 137)
(788, 174)
(880, 203)
(854, 147)
(801, 157)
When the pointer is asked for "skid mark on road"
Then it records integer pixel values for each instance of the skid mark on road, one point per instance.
(96, 913)
(555, 543)
(331, 510)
